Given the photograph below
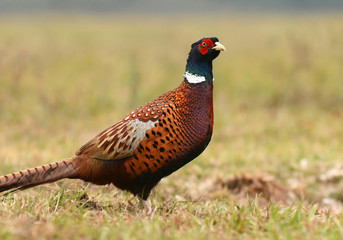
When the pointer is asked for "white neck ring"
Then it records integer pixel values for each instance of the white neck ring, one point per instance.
(193, 78)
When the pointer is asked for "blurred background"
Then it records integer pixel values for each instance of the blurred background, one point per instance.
(69, 69)
(177, 6)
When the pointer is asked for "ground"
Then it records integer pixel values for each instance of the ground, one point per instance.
(273, 169)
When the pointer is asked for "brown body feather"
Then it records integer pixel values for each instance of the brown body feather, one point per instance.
(134, 154)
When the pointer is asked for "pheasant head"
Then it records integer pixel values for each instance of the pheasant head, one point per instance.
(199, 62)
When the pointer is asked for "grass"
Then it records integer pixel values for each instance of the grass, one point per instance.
(278, 111)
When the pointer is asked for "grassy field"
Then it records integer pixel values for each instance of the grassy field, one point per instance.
(278, 120)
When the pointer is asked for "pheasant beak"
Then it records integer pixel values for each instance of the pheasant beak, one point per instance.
(219, 47)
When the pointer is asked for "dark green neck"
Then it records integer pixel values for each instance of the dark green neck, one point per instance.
(203, 69)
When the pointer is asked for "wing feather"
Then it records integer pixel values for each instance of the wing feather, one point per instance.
(121, 139)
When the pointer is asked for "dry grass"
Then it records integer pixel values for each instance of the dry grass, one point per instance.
(278, 112)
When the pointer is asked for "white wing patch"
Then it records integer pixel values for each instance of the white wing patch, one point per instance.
(128, 139)
(139, 131)
(118, 141)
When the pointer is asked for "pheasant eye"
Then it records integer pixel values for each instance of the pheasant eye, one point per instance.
(204, 44)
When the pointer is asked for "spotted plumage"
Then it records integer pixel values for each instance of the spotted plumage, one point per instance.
(148, 144)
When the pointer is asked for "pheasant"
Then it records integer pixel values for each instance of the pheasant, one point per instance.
(148, 144)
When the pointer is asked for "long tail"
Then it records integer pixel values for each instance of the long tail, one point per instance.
(39, 175)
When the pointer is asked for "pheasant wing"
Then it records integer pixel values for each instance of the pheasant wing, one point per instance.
(121, 139)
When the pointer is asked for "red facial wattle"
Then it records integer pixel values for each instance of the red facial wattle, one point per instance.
(205, 45)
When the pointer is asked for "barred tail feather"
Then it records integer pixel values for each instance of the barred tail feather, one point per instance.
(38, 175)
